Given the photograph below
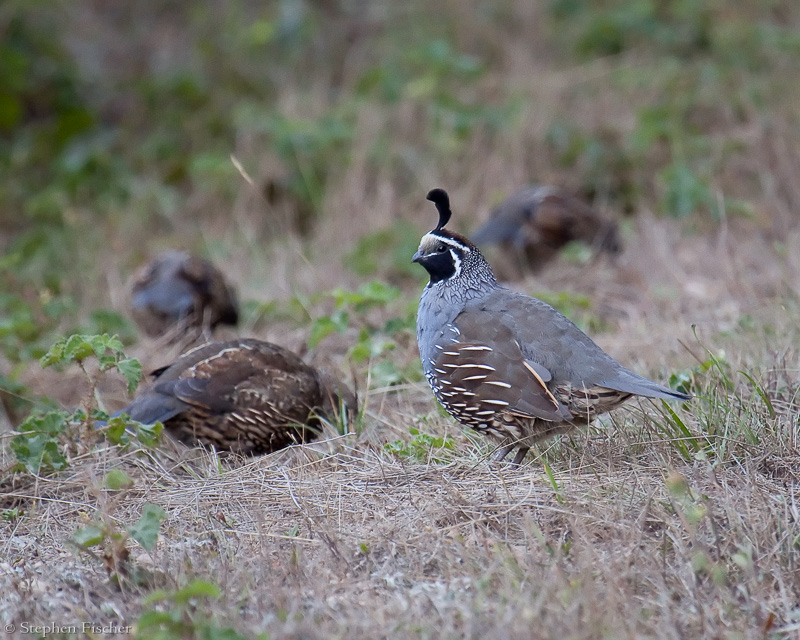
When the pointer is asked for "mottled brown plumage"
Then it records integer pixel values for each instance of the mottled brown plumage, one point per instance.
(537, 221)
(245, 395)
(181, 293)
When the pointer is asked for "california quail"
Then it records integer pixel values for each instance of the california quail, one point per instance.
(181, 292)
(537, 221)
(505, 364)
(244, 395)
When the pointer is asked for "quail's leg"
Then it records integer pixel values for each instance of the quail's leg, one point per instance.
(503, 451)
(521, 453)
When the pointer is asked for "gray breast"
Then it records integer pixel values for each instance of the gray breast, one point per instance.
(437, 309)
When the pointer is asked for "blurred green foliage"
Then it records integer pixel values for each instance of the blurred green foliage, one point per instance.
(674, 27)
(386, 252)
(376, 338)
(86, 138)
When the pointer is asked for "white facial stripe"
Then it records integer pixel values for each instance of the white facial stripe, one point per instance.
(456, 262)
(432, 239)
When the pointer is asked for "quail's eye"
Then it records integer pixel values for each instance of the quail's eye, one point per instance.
(441, 248)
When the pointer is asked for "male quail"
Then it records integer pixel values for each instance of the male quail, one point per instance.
(537, 221)
(181, 292)
(244, 395)
(503, 363)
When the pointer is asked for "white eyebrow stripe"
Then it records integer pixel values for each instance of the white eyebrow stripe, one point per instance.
(449, 241)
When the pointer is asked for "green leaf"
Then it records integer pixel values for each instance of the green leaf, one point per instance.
(157, 619)
(326, 325)
(36, 447)
(215, 633)
(681, 381)
(52, 422)
(423, 447)
(38, 454)
(553, 482)
(360, 352)
(89, 536)
(145, 530)
(105, 341)
(117, 479)
(116, 429)
(131, 370)
(370, 294)
(54, 355)
(11, 515)
(78, 347)
(149, 434)
(159, 595)
(197, 589)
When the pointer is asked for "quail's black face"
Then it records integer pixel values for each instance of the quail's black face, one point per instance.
(441, 256)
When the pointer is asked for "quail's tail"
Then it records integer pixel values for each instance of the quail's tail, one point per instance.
(629, 382)
(149, 409)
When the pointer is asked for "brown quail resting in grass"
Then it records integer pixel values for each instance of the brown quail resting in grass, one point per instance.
(537, 221)
(179, 292)
(246, 396)
(508, 365)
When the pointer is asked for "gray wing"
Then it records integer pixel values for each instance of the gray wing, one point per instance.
(486, 366)
(548, 338)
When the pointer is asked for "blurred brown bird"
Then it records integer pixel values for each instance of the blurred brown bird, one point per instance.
(245, 395)
(180, 293)
(537, 221)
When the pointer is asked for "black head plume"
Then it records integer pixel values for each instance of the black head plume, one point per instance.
(440, 198)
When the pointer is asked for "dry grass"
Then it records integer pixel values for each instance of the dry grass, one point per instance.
(615, 532)
(339, 539)
(313, 543)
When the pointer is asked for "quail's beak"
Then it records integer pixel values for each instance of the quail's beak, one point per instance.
(417, 257)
